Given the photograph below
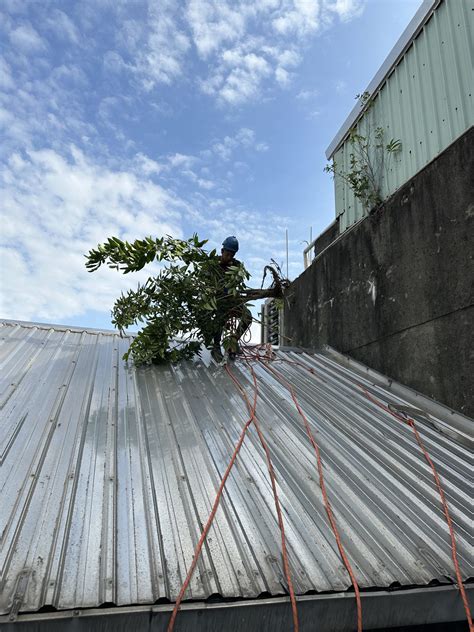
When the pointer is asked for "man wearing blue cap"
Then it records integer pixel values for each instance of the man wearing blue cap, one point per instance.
(230, 246)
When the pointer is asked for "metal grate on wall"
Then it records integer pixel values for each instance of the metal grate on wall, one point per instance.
(271, 323)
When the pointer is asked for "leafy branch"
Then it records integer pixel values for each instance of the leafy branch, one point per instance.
(179, 307)
(369, 159)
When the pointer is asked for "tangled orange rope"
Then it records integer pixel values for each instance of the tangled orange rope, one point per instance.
(410, 422)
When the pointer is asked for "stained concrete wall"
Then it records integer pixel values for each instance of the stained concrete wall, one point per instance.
(396, 291)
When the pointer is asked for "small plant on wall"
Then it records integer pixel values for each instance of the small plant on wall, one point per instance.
(369, 159)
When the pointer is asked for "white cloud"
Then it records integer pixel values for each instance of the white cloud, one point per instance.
(205, 184)
(214, 22)
(131, 36)
(307, 95)
(265, 40)
(162, 58)
(58, 201)
(6, 79)
(147, 166)
(202, 183)
(25, 39)
(247, 46)
(307, 99)
(238, 77)
(282, 76)
(313, 114)
(55, 208)
(14, 6)
(68, 76)
(289, 58)
(114, 62)
(244, 137)
(46, 104)
(62, 25)
(346, 9)
(181, 160)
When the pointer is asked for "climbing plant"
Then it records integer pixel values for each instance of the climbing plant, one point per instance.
(176, 307)
(369, 159)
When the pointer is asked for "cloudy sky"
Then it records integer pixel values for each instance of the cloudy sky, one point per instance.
(139, 117)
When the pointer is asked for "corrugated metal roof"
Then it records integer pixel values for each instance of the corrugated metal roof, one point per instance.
(108, 472)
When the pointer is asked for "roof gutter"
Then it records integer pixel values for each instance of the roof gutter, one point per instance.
(334, 612)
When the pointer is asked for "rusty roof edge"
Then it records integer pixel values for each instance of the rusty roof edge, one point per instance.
(398, 51)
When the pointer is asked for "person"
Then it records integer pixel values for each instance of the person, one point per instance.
(227, 308)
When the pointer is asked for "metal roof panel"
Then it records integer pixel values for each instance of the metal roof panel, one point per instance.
(108, 473)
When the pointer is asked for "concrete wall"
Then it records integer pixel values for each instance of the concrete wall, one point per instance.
(396, 290)
(327, 237)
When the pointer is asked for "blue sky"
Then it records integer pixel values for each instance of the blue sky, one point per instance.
(140, 117)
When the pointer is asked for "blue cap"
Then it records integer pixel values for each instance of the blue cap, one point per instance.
(231, 244)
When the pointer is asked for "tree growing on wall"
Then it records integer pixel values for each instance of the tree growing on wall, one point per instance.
(369, 159)
(177, 306)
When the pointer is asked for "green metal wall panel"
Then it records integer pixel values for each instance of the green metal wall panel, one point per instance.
(426, 101)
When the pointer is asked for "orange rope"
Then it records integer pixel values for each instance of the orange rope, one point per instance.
(327, 504)
(254, 354)
(197, 552)
(410, 422)
(264, 359)
(286, 565)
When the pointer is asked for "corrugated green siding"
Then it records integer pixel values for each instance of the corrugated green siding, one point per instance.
(426, 102)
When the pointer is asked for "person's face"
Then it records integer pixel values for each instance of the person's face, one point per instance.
(226, 256)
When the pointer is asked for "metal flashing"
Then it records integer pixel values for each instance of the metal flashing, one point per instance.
(333, 612)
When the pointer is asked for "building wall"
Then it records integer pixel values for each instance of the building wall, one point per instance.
(426, 103)
(396, 291)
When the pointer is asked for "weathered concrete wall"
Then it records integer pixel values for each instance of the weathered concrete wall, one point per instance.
(327, 237)
(396, 291)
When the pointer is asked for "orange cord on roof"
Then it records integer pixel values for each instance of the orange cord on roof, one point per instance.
(264, 359)
(197, 552)
(322, 485)
(410, 422)
(286, 565)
